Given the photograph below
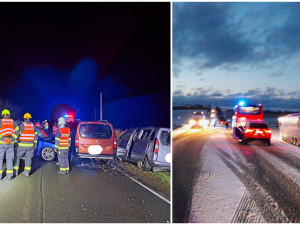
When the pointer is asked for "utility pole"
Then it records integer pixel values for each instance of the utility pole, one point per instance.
(100, 105)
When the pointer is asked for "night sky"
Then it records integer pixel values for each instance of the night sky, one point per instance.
(224, 52)
(52, 53)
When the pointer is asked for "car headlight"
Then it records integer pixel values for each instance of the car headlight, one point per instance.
(192, 122)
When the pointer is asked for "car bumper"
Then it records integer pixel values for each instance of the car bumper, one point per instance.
(257, 139)
(100, 156)
(161, 164)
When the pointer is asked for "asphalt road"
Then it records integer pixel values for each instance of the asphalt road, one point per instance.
(217, 179)
(89, 194)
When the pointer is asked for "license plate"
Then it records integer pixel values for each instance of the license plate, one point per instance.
(95, 149)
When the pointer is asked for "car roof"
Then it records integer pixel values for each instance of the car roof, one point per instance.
(144, 128)
(294, 114)
(95, 122)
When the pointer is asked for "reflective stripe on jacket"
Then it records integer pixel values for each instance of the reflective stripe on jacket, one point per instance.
(63, 139)
(7, 128)
(28, 133)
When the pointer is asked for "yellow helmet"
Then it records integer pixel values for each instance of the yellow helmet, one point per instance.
(27, 116)
(5, 112)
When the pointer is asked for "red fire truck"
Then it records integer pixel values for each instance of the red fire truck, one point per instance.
(244, 113)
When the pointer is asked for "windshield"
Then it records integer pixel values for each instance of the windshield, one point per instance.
(40, 134)
(95, 131)
(250, 110)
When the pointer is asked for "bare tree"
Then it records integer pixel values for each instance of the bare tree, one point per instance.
(16, 111)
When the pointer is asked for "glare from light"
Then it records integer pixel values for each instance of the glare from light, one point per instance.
(192, 122)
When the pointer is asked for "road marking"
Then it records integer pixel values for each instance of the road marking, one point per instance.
(144, 186)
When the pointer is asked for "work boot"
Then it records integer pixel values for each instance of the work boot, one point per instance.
(57, 163)
(67, 171)
(16, 172)
(9, 177)
(61, 172)
(26, 172)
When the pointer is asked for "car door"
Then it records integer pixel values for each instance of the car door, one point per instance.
(122, 144)
(141, 144)
(164, 154)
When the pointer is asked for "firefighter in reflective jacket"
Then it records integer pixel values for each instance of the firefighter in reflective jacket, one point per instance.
(54, 129)
(37, 124)
(62, 145)
(46, 126)
(8, 127)
(27, 143)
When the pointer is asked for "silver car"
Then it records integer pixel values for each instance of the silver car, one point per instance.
(148, 147)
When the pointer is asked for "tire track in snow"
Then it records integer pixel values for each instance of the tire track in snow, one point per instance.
(280, 187)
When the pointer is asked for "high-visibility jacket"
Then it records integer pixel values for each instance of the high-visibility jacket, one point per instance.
(46, 125)
(54, 129)
(8, 127)
(27, 135)
(63, 139)
(38, 125)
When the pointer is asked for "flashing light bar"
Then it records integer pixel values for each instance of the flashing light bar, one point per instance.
(241, 103)
(68, 116)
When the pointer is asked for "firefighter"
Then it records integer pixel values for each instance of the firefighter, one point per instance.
(8, 127)
(54, 128)
(62, 144)
(27, 143)
(46, 126)
(37, 124)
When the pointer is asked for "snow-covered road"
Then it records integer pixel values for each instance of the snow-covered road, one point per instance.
(217, 179)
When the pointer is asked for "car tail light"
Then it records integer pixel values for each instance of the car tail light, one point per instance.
(115, 144)
(248, 130)
(155, 150)
(268, 131)
(76, 140)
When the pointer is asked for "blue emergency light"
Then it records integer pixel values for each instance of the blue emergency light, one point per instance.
(241, 103)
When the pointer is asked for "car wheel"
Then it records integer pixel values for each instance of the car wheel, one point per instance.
(139, 164)
(268, 142)
(144, 165)
(48, 154)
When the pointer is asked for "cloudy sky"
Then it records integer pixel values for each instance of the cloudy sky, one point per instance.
(223, 52)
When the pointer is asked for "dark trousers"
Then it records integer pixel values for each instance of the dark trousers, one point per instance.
(9, 152)
(63, 159)
(20, 152)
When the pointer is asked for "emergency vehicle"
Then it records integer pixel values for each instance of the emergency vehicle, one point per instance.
(243, 114)
(289, 127)
(198, 120)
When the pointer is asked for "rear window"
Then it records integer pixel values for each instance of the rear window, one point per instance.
(250, 110)
(95, 131)
(258, 125)
(165, 138)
